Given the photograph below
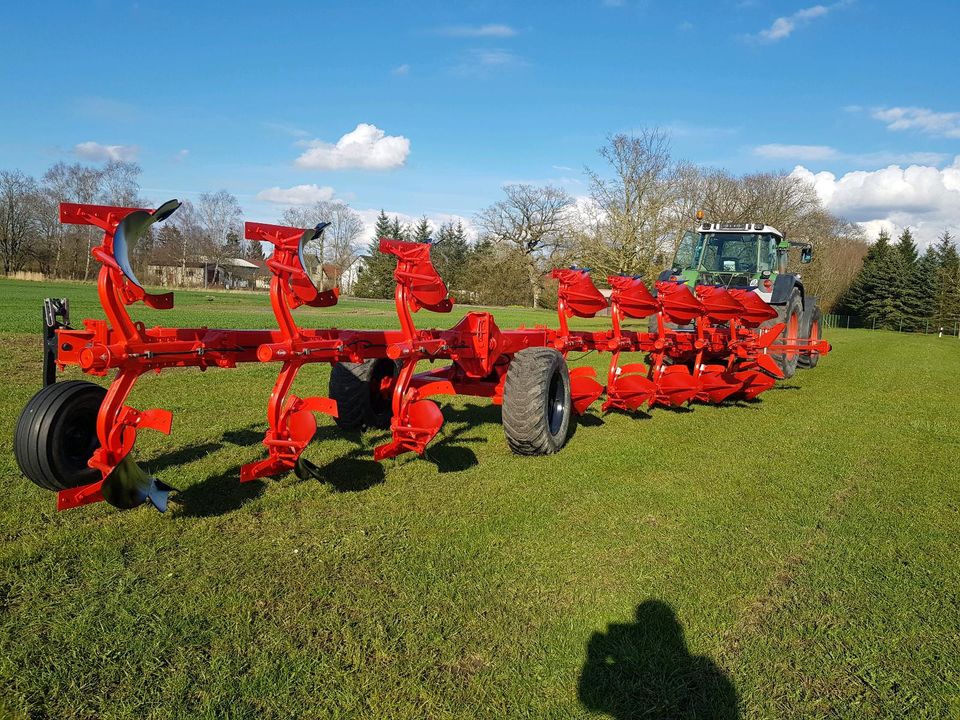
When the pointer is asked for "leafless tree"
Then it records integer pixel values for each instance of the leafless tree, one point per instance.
(638, 198)
(218, 214)
(17, 212)
(337, 247)
(531, 222)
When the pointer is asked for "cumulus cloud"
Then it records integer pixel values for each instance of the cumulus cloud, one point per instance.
(943, 124)
(489, 30)
(297, 195)
(366, 147)
(401, 70)
(922, 197)
(783, 27)
(102, 153)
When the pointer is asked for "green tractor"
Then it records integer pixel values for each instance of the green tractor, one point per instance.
(753, 256)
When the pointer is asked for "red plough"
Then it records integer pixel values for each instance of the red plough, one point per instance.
(708, 345)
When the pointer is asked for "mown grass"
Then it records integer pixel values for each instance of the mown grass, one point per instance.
(794, 557)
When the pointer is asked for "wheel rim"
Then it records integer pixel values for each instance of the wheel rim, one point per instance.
(556, 410)
(381, 386)
(79, 438)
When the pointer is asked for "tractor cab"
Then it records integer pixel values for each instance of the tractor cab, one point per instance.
(746, 255)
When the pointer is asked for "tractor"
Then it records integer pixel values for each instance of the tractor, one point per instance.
(753, 256)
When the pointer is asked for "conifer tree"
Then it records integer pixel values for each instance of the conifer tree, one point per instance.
(375, 278)
(422, 232)
(946, 312)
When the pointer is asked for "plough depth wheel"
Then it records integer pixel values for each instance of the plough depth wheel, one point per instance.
(57, 433)
(536, 402)
(362, 393)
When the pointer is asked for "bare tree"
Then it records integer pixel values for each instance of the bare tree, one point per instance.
(532, 222)
(337, 247)
(638, 199)
(17, 211)
(218, 214)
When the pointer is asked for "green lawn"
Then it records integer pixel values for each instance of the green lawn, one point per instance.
(795, 557)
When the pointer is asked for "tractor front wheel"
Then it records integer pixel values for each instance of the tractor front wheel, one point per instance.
(536, 402)
(56, 435)
(363, 393)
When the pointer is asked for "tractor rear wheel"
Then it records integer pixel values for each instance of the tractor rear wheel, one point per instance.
(536, 402)
(791, 314)
(56, 435)
(814, 331)
(363, 393)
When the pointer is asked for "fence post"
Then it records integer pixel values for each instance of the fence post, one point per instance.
(848, 322)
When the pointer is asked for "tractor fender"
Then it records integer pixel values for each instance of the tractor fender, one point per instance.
(783, 289)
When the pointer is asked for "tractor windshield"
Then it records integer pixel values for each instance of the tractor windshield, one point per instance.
(730, 252)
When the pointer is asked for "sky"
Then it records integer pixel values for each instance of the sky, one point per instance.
(431, 107)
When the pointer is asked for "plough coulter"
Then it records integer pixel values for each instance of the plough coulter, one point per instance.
(703, 344)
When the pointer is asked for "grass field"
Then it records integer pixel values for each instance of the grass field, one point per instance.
(796, 557)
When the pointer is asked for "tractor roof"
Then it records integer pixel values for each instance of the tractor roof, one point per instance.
(738, 227)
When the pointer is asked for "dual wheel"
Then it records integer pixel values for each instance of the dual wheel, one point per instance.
(537, 407)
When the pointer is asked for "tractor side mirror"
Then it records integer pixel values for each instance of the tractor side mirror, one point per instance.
(806, 254)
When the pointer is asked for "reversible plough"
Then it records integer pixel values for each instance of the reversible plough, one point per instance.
(710, 344)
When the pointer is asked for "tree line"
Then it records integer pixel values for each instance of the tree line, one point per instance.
(897, 288)
(640, 200)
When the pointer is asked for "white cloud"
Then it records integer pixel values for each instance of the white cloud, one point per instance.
(820, 153)
(181, 155)
(482, 63)
(297, 195)
(367, 147)
(784, 26)
(922, 197)
(401, 70)
(944, 124)
(489, 30)
(102, 153)
(795, 152)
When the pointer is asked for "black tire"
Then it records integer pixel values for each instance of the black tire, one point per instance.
(813, 331)
(57, 433)
(356, 389)
(790, 313)
(536, 402)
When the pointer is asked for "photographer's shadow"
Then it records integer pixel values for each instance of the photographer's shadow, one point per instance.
(644, 670)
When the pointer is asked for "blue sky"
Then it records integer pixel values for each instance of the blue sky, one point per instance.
(467, 96)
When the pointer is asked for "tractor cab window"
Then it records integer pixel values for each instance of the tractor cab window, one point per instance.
(768, 253)
(686, 257)
(730, 253)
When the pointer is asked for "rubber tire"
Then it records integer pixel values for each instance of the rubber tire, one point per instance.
(530, 419)
(353, 386)
(809, 362)
(56, 434)
(793, 306)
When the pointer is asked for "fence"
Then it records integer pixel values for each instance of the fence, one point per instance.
(925, 327)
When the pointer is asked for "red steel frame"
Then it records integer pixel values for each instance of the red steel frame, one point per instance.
(724, 355)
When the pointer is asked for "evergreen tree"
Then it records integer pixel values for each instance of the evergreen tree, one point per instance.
(946, 311)
(908, 286)
(398, 231)
(450, 253)
(928, 268)
(422, 232)
(375, 277)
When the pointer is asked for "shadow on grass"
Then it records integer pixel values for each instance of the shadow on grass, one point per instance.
(644, 669)
(217, 495)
